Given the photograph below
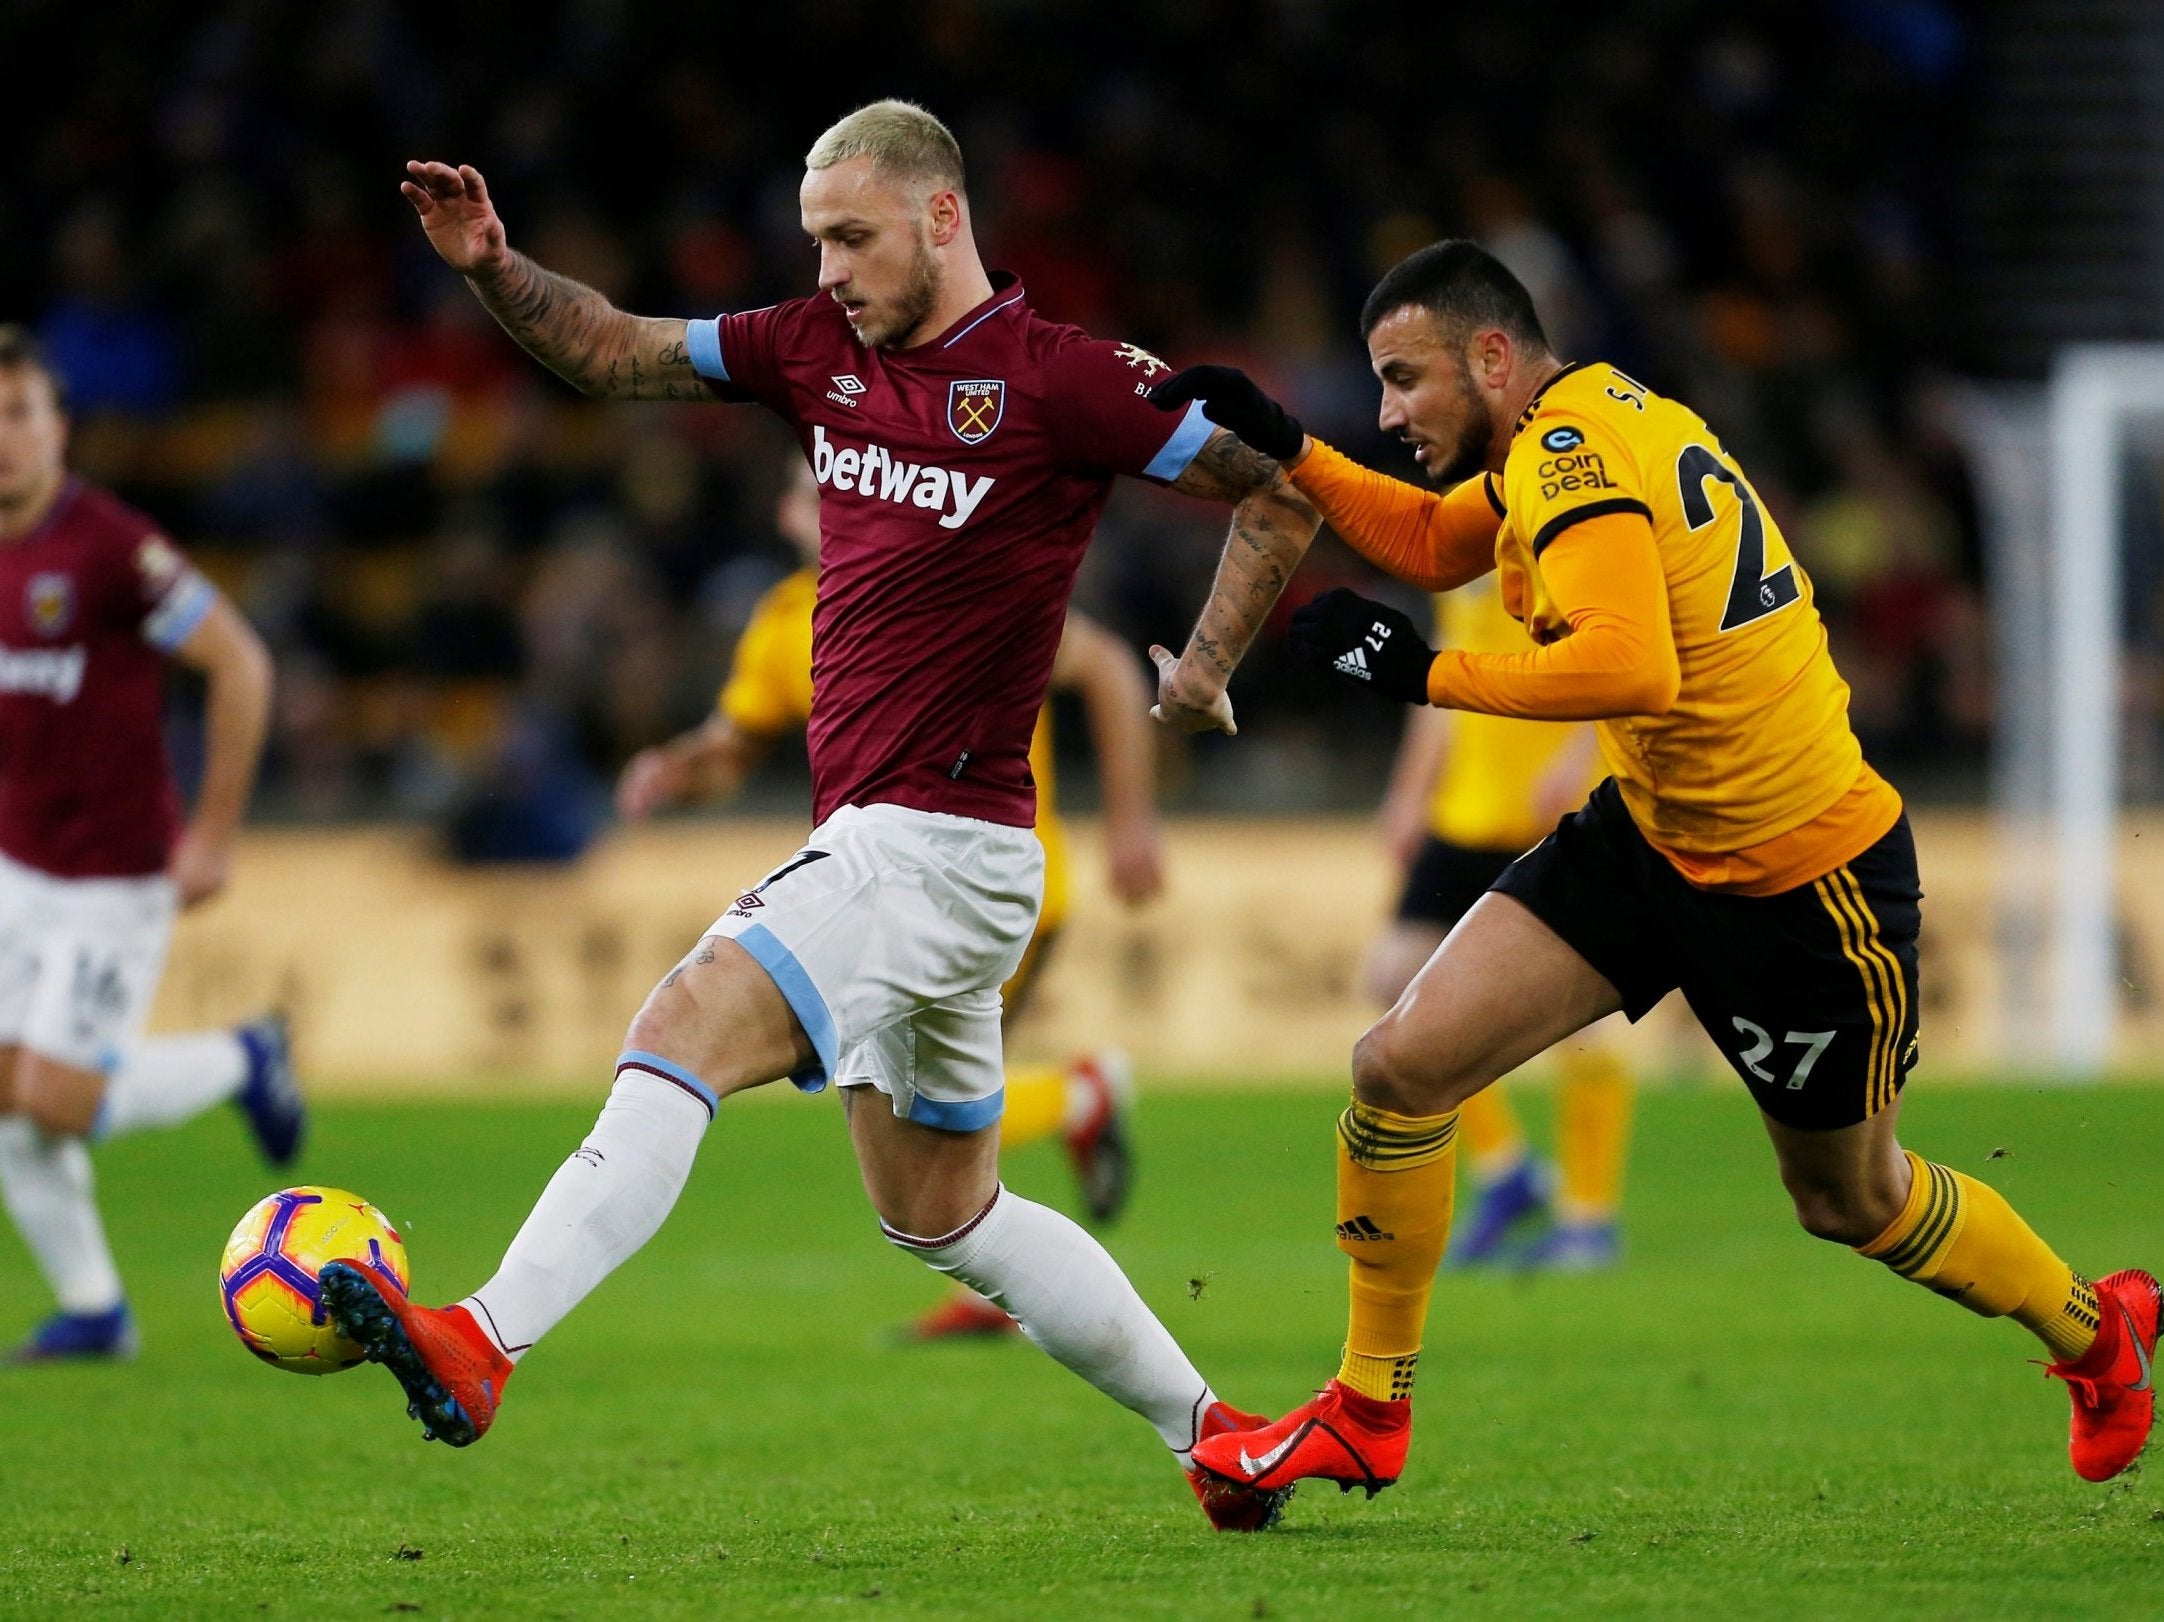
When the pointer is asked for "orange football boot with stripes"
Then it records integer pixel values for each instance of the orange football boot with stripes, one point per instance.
(2113, 1383)
(452, 1373)
(1341, 1436)
(1233, 1506)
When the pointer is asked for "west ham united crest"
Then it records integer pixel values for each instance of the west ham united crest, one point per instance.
(49, 601)
(974, 408)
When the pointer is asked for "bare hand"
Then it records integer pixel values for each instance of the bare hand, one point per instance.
(1187, 700)
(455, 212)
(199, 866)
(651, 779)
(1135, 859)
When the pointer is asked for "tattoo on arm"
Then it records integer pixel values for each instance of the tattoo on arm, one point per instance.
(1227, 468)
(1272, 527)
(586, 340)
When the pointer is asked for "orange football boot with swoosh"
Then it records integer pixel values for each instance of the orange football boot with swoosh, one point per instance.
(452, 1373)
(1341, 1436)
(2113, 1383)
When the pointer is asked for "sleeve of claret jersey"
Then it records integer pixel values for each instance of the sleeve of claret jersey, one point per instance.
(1434, 541)
(1604, 576)
(742, 356)
(756, 697)
(168, 598)
(1102, 419)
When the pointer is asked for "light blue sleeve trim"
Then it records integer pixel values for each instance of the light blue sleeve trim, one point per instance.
(185, 607)
(702, 341)
(966, 1115)
(804, 1001)
(1186, 442)
(675, 1072)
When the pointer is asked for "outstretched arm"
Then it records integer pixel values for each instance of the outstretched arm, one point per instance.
(1273, 525)
(567, 326)
(1098, 666)
(710, 762)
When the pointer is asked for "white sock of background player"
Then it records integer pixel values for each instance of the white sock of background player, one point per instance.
(165, 1080)
(1072, 1300)
(47, 1186)
(601, 1206)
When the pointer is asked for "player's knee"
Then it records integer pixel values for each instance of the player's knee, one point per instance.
(1391, 1073)
(1841, 1214)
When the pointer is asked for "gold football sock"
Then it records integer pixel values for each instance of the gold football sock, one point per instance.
(1036, 1104)
(1395, 1178)
(1959, 1237)
(1592, 1131)
(1492, 1134)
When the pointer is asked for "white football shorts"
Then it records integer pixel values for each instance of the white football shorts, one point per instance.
(890, 934)
(79, 961)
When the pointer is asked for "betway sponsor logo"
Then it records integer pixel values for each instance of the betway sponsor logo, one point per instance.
(55, 672)
(874, 471)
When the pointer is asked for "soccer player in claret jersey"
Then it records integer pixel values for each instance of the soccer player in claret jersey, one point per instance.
(1741, 850)
(94, 860)
(1084, 1099)
(964, 447)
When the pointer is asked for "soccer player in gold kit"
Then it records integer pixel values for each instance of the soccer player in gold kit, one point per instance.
(1742, 850)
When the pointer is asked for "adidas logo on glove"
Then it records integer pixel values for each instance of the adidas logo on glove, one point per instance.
(1354, 664)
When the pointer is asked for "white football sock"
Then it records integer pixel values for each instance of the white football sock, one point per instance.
(165, 1080)
(49, 1191)
(600, 1207)
(1071, 1298)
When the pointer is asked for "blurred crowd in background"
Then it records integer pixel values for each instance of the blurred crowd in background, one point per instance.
(485, 594)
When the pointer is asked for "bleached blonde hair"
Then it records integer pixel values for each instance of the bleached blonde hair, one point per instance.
(903, 141)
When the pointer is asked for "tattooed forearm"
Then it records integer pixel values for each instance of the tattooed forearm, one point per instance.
(1227, 469)
(586, 340)
(1272, 528)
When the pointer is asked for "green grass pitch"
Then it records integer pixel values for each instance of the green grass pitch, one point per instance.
(1740, 1422)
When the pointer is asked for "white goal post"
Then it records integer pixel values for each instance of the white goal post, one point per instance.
(2050, 470)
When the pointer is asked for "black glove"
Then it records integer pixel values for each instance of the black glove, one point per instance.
(1365, 641)
(1231, 400)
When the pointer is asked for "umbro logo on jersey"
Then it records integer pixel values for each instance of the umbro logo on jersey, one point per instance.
(875, 471)
(1354, 664)
(1362, 1227)
(847, 386)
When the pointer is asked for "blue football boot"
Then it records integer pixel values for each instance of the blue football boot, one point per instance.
(80, 1337)
(1574, 1247)
(270, 1097)
(1519, 1196)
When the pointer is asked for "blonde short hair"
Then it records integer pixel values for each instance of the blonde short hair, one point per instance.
(903, 141)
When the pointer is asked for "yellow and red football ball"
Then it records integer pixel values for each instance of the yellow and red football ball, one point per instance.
(267, 1279)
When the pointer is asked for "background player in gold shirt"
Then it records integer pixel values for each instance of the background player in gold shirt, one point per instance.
(1467, 795)
(1742, 850)
(768, 693)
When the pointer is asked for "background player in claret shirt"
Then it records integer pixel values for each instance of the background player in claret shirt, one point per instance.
(1742, 850)
(1468, 793)
(94, 861)
(769, 692)
(964, 447)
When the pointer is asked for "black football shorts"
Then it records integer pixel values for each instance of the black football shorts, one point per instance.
(1810, 994)
(1446, 879)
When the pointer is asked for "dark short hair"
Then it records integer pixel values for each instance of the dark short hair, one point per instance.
(19, 351)
(1463, 284)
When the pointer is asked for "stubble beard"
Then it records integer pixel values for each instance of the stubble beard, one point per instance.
(920, 292)
(1470, 454)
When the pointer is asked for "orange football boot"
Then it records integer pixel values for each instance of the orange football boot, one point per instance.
(1233, 1506)
(2112, 1383)
(453, 1374)
(1341, 1436)
(963, 1315)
